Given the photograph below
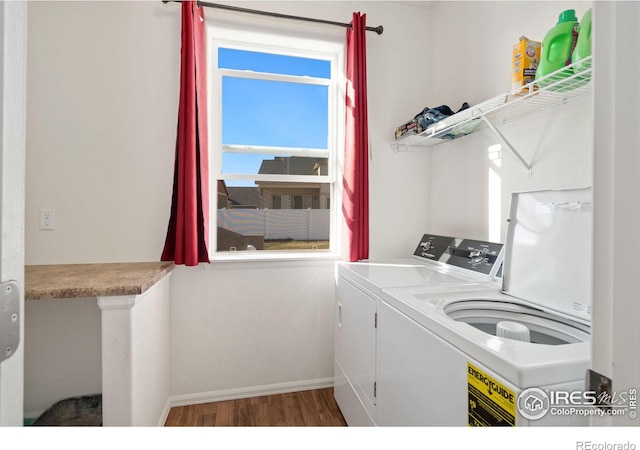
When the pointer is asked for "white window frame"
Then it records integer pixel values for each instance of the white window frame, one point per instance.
(220, 35)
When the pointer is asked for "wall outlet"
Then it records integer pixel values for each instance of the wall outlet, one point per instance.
(47, 219)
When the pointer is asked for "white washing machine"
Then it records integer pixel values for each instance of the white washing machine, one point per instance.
(437, 261)
(516, 355)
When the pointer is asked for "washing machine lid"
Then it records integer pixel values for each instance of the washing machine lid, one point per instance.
(548, 250)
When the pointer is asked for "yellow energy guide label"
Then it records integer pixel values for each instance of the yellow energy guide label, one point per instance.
(491, 403)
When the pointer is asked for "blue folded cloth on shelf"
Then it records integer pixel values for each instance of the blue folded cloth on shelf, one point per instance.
(431, 115)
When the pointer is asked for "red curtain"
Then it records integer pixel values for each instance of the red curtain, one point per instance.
(355, 203)
(188, 230)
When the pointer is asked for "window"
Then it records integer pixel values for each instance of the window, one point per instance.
(285, 202)
(276, 123)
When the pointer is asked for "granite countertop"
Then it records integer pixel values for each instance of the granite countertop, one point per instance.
(92, 280)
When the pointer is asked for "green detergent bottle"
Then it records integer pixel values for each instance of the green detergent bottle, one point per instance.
(557, 49)
(583, 46)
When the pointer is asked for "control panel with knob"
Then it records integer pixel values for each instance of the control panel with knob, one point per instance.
(478, 256)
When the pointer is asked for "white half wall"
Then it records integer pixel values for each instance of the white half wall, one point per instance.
(235, 326)
(135, 357)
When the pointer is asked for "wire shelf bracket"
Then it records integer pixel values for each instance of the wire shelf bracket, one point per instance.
(508, 144)
(557, 88)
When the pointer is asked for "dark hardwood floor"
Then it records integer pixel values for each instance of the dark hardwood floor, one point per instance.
(313, 408)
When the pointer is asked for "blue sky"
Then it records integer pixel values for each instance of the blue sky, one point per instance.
(271, 113)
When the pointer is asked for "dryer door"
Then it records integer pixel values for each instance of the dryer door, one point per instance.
(355, 340)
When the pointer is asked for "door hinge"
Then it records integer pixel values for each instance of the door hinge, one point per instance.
(9, 318)
(375, 388)
(375, 320)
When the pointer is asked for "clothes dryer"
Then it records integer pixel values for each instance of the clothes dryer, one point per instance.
(437, 261)
(498, 356)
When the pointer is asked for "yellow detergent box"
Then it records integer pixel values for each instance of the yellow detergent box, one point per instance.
(526, 57)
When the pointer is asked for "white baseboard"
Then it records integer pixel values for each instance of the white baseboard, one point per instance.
(253, 391)
(165, 413)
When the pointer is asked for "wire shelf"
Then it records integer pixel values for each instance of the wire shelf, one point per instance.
(557, 88)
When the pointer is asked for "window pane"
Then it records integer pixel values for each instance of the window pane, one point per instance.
(273, 216)
(271, 63)
(247, 163)
(274, 113)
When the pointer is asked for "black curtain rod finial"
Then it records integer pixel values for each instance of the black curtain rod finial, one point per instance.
(377, 29)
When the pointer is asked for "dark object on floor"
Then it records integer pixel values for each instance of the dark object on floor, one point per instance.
(76, 411)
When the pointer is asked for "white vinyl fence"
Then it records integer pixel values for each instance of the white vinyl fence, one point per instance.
(297, 224)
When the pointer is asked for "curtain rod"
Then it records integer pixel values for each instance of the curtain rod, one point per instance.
(377, 29)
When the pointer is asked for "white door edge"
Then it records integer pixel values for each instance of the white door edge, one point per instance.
(13, 52)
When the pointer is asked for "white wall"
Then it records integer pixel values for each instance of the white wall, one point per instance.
(470, 192)
(237, 328)
(63, 357)
(102, 106)
(472, 44)
(101, 120)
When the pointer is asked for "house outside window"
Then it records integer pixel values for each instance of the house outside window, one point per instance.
(276, 121)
